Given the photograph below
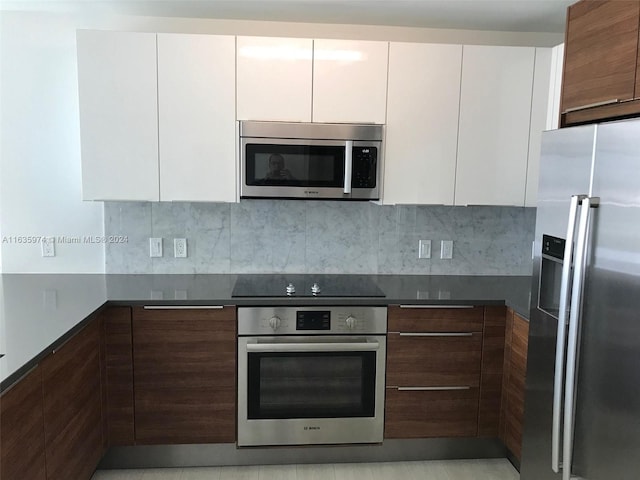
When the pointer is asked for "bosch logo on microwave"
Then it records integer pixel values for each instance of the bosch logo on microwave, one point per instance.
(365, 150)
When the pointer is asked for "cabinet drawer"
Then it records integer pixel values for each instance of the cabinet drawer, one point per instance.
(420, 319)
(433, 360)
(431, 413)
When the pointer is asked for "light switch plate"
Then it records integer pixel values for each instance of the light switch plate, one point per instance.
(446, 249)
(155, 247)
(424, 249)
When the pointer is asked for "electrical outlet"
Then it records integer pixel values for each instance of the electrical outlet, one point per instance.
(48, 246)
(446, 249)
(180, 294)
(180, 247)
(155, 247)
(424, 249)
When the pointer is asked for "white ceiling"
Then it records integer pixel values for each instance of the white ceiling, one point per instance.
(500, 15)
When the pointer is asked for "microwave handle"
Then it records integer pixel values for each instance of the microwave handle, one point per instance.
(348, 165)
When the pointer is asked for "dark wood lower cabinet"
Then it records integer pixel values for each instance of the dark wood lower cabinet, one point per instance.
(22, 454)
(513, 387)
(437, 413)
(72, 401)
(118, 376)
(493, 339)
(444, 372)
(433, 360)
(184, 364)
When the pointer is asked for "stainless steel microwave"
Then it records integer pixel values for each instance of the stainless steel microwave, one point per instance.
(310, 160)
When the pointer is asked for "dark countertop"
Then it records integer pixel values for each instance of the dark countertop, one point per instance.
(41, 311)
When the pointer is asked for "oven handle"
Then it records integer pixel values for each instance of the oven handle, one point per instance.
(313, 347)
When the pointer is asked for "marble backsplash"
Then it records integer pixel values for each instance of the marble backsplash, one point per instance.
(285, 236)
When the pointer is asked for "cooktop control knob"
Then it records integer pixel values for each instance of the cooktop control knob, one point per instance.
(315, 289)
(351, 322)
(274, 322)
(291, 289)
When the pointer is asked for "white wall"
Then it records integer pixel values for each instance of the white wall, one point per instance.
(40, 189)
(40, 152)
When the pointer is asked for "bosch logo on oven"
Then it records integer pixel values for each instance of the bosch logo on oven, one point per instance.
(311, 428)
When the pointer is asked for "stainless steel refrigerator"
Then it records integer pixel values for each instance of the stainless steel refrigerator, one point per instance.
(582, 403)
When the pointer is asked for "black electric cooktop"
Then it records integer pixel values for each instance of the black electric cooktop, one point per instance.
(306, 285)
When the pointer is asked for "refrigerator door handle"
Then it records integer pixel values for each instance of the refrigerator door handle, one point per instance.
(572, 344)
(562, 329)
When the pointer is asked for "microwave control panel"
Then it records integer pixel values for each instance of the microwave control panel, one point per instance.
(364, 167)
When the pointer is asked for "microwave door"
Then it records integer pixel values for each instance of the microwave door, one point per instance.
(295, 168)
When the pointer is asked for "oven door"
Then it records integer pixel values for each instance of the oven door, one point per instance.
(303, 168)
(303, 390)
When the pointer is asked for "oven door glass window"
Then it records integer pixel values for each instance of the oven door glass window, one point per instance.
(295, 165)
(311, 385)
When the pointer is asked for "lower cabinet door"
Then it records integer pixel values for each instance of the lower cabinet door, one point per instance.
(72, 400)
(184, 370)
(431, 413)
(22, 430)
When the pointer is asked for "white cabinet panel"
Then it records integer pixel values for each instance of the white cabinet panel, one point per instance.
(555, 90)
(542, 79)
(196, 104)
(422, 123)
(495, 109)
(349, 81)
(118, 115)
(274, 79)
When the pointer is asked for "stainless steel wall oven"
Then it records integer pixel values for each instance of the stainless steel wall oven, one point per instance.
(311, 375)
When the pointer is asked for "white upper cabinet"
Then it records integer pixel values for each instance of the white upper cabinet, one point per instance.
(422, 123)
(196, 107)
(495, 112)
(542, 78)
(349, 81)
(117, 81)
(274, 79)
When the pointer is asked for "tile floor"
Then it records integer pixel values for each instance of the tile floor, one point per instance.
(488, 469)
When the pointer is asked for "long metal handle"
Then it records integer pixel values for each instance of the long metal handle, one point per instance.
(183, 307)
(562, 329)
(348, 165)
(592, 105)
(433, 334)
(437, 306)
(572, 344)
(313, 347)
(430, 389)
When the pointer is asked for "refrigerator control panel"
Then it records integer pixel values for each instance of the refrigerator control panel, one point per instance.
(553, 246)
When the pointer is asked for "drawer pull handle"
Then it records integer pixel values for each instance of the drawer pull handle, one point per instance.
(591, 105)
(444, 334)
(183, 307)
(437, 306)
(430, 389)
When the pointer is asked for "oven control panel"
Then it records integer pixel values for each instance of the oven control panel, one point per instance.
(310, 320)
(313, 320)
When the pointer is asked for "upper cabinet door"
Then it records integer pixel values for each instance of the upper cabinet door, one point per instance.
(117, 80)
(493, 140)
(601, 52)
(196, 107)
(422, 123)
(350, 81)
(543, 77)
(274, 79)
